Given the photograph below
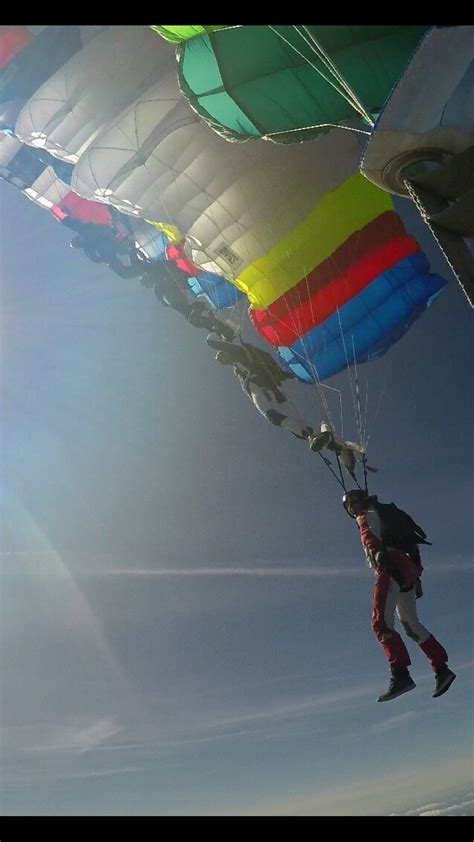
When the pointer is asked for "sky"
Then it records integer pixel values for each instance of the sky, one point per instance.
(185, 605)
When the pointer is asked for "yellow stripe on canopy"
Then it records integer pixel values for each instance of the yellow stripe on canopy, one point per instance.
(338, 215)
(168, 229)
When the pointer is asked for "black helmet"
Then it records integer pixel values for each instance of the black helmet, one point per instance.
(357, 495)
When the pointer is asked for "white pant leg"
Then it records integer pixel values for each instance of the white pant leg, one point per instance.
(391, 603)
(407, 614)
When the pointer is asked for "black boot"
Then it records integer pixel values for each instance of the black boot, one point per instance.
(400, 682)
(444, 677)
(198, 317)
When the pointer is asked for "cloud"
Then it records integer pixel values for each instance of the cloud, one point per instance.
(462, 806)
(253, 568)
(394, 721)
(234, 571)
(167, 743)
(382, 795)
(298, 708)
(75, 735)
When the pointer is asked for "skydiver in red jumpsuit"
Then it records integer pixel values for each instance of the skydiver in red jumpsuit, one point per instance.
(396, 576)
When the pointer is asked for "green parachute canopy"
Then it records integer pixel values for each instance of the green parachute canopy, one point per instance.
(292, 82)
(177, 34)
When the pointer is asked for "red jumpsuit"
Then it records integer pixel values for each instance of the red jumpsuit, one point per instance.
(388, 597)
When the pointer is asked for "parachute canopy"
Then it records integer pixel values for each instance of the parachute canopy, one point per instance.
(47, 190)
(19, 164)
(177, 34)
(430, 112)
(40, 58)
(12, 40)
(216, 289)
(81, 209)
(291, 82)
(294, 227)
(329, 271)
(89, 90)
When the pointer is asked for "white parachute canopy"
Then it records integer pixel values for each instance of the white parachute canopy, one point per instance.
(160, 162)
(36, 62)
(48, 190)
(9, 146)
(94, 86)
(430, 112)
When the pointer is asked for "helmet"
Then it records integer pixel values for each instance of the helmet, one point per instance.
(357, 495)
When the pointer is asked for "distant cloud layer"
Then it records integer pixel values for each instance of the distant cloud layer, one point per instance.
(456, 806)
(390, 795)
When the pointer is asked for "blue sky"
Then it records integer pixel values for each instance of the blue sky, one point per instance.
(185, 605)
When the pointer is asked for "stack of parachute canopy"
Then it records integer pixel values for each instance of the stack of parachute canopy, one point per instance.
(35, 62)
(330, 274)
(90, 89)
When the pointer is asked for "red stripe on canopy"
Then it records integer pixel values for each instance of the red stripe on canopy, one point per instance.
(282, 325)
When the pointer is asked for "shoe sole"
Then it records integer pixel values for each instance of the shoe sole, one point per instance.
(396, 695)
(444, 689)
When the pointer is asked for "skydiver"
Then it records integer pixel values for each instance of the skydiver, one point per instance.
(394, 591)
(101, 244)
(169, 284)
(260, 378)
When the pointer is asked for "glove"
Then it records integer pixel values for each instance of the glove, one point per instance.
(384, 562)
(382, 559)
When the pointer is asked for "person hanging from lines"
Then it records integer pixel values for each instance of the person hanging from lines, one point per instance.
(390, 540)
(260, 378)
(101, 244)
(346, 451)
(169, 284)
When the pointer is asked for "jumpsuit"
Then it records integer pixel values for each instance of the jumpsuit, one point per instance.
(389, 597)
